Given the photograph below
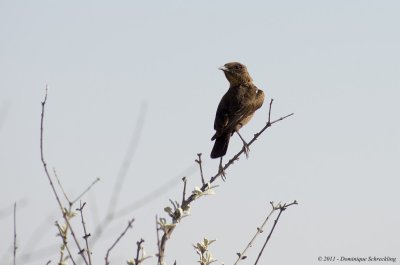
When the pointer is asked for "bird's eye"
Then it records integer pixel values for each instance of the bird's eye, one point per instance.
(238, 66)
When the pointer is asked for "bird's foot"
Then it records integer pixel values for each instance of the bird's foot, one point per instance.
(246, 149)
(221, 171)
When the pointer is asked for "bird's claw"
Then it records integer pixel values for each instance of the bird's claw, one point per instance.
(246, 150)
(221, 172)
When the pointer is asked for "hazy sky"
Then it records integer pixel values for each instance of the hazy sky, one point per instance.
(335, 64)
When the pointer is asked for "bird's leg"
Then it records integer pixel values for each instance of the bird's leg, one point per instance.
(246, 148)
(221, 170)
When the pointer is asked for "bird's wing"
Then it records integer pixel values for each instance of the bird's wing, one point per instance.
(221, 116)
(259, 100)
(246, 110)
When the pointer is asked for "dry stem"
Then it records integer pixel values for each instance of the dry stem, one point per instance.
(51, 182)
(281, 208)
(86, 235)
(118, 239)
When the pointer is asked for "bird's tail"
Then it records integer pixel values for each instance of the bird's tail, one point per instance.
(220, 145)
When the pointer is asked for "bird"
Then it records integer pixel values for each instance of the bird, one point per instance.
(235, 109)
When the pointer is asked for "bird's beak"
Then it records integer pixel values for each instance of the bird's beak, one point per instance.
(223, 68)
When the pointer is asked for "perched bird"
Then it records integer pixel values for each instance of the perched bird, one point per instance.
(236, 107)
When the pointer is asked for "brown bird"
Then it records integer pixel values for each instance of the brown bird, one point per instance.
(236, 108)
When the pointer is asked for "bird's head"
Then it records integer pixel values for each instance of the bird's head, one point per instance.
(236, 73)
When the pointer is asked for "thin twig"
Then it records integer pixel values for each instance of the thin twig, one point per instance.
(198, 161)
(259, 231)
(51, 182)
(269, 111)
(139, 247)
(118, 239)
(71, 203)
(79, 196)
(158, 237)
(86, 190)
(61, 187)
(8, 211)
(163, 243)
(15, 233)
(86, 235)
(65, 244)
(184, 189)
(63, 235)
(281, 209)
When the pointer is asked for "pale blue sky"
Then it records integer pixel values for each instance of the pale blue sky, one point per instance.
(335, 64)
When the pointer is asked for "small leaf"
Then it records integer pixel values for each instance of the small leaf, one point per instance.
(130, 262)
(168, 209)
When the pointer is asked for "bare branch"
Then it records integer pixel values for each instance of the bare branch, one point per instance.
(8, 211)
(86, 190)
(259, 231)
(269, 111)
(281, 208)
(184, 189)
(61, 187)
(118, 239)
(51, 182)
(163, 243)
(198, 161)
(63, 235)
(86, 235)
(139, 247)
(158, 237)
